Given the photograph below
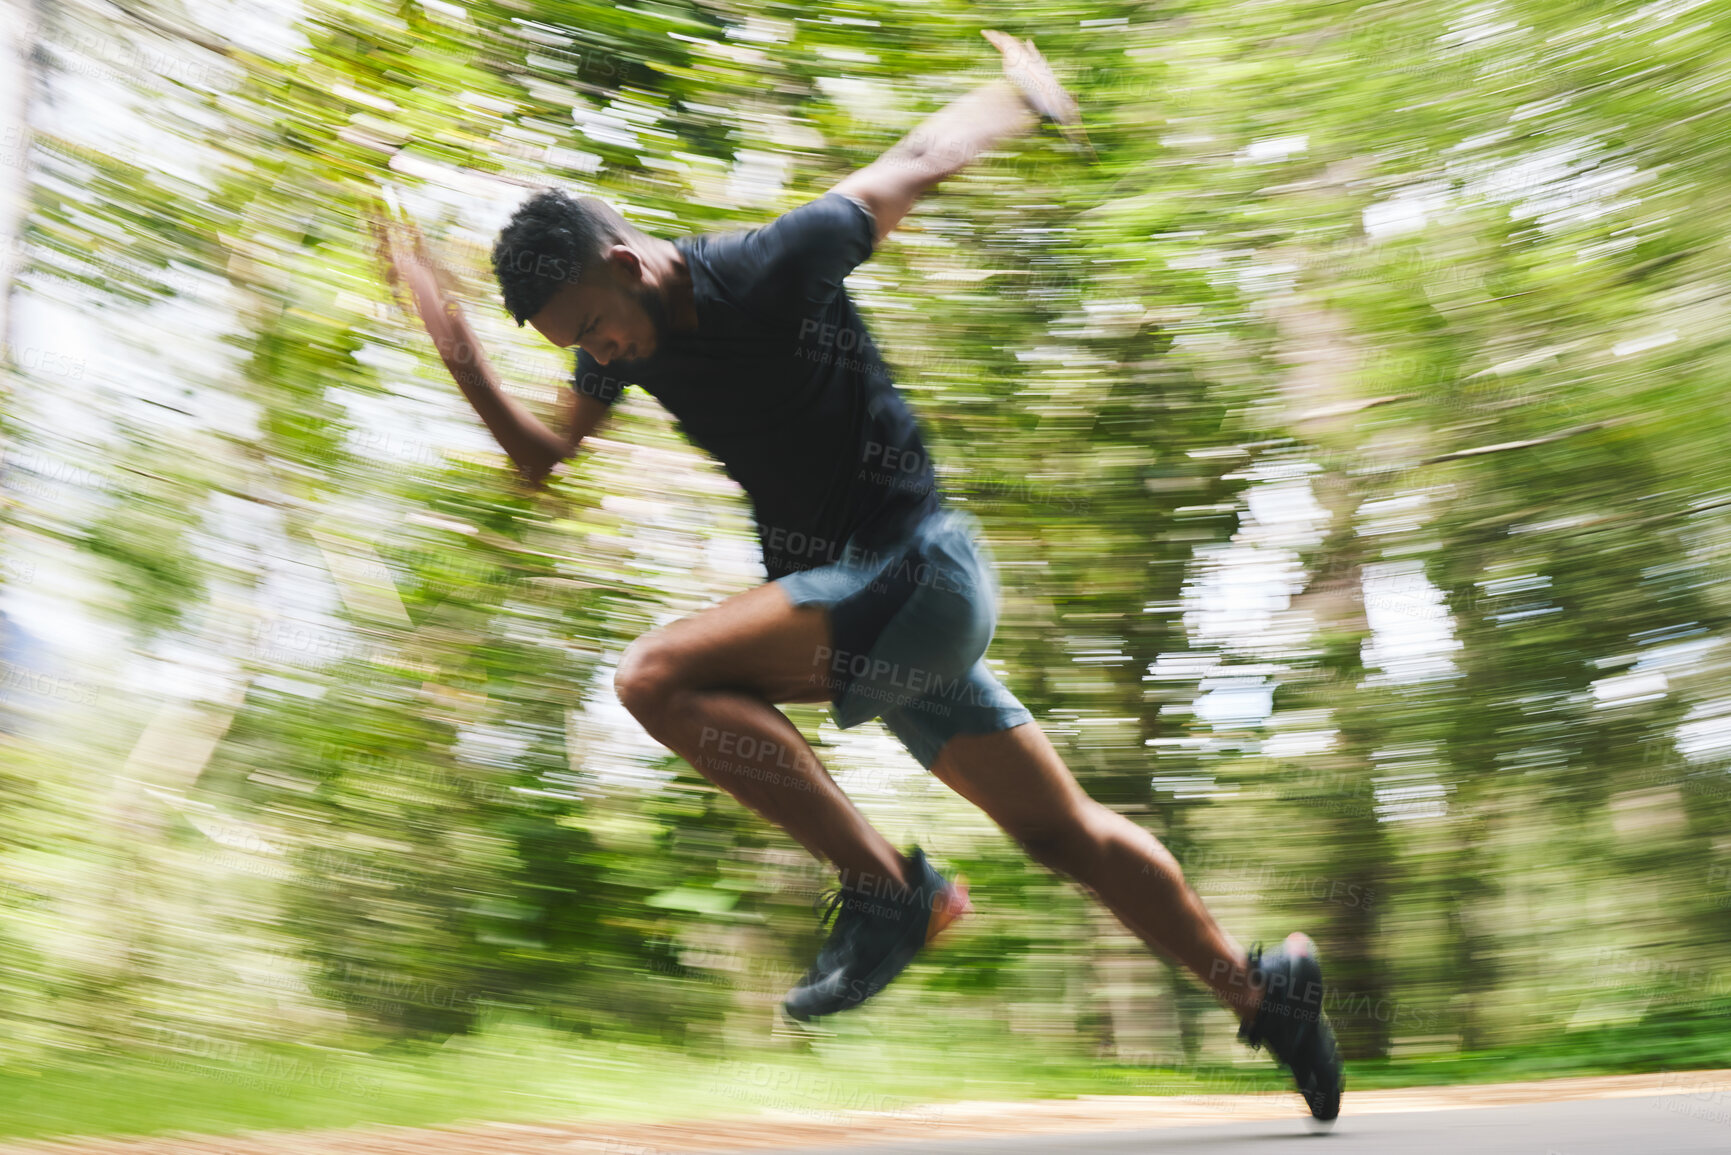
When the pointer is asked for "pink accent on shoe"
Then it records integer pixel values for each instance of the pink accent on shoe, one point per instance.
(952, 905)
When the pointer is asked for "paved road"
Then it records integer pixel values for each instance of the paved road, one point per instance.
(1661, 1125)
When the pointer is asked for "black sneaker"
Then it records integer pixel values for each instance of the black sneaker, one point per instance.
(1291, 1024)
(875, 937)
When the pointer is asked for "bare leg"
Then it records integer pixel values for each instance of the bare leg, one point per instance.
(1017, 778)
(704, 687)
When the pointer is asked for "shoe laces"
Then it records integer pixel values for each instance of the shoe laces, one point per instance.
(835, 896)
(837, 917)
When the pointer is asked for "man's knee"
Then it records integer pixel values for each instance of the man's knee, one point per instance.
(647, 677)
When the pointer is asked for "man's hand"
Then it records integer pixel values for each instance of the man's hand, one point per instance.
(407, 262)
(1034, 79)
(395, 252)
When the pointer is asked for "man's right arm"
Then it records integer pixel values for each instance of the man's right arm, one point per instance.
(533, 448)
(950, 139)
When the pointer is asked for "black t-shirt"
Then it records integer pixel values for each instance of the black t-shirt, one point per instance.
(781, 383)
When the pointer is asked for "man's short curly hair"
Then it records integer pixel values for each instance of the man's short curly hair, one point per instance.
(552, 240)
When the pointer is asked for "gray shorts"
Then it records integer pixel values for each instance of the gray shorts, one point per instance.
(909, 625)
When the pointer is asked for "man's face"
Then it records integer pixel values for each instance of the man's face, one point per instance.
(613, 316)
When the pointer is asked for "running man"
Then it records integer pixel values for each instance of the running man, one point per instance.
(881, 600)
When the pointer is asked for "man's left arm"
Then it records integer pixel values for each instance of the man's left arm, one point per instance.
(951, 138)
